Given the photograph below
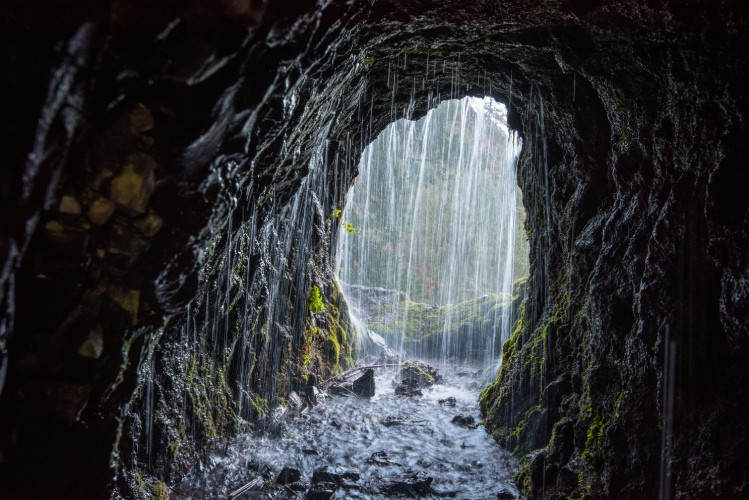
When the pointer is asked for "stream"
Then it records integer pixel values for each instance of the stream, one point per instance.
(382, 447)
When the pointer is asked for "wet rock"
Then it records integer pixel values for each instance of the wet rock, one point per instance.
(391, 421)
(69, 205)
(322, 475)
(141, 119)
(379, 458)
(408, 389)
(364, 386)
(288, 475)
(505, 494)
(464, 421)
(93, 346)
(263, 469)
(100, 210)
(132, 188)
(419, 374)
(310, 452)
(451, 402)
(277, 423)
(351, 476)
(412, 486)
(150, 224)
(294, 400)
(321, 491)
(567, 478)
(128, 300)
(312, 394)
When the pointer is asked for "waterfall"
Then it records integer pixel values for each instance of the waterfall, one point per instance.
(427, 251)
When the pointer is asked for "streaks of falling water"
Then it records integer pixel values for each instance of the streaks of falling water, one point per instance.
(669, 385)
(435, 211)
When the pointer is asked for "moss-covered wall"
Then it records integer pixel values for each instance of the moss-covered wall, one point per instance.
(166, 211)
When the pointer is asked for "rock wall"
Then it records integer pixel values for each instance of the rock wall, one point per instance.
(167, 217)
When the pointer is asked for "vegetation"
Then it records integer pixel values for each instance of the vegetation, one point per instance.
(315, 300)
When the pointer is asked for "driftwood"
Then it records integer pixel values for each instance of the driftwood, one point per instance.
(242, 489)
(350, 372)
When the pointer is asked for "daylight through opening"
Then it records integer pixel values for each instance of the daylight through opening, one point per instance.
(431, 237)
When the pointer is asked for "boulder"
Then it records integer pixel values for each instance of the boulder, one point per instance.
(364, 386)
(464, 421)
(413, 486)
(288, 475)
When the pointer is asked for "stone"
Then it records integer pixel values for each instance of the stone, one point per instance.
(128, 300)
(150, 224)
(408, 389)
(141, 119)
(93, 346)
(364, 386)
(419, 374)
(379, 458)
(505, 494)
(69, 205)
(321, 491)
(464, 421)
(451, 402)
(100, 210)
(288, 475)
(66, 239)
(132, 188)
(390, 421)
(294, 400)
(322, 475)
(412, 486)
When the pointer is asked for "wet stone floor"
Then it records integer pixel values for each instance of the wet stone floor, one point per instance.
(387, 446)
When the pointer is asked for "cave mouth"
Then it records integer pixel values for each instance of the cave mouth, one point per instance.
(431, 241)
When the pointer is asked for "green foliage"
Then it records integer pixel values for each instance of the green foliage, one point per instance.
(315, 300)
(346, 225)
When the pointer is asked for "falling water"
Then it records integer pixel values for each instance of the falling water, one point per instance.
(448, 251)
(427, 254)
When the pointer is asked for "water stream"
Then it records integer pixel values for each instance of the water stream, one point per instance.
(374, 444)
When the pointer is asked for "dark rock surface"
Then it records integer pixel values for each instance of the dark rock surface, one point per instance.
(288, 475)
(450, 402)
(364, 386)
(464, 421)
(165, 204)
(411, 487)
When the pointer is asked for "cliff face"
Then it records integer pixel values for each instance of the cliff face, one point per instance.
(167, 217)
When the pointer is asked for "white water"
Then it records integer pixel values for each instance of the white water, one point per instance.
(434, 210)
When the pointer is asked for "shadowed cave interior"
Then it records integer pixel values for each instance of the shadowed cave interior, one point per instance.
(170, 177)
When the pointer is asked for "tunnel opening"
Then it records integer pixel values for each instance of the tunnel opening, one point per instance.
(431, 250)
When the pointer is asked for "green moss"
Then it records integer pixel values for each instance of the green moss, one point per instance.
(213, 407)
(150, 488)
(259, 405)
(333, 350)
(315, 300)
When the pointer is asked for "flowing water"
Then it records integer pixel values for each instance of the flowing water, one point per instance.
(374, 444)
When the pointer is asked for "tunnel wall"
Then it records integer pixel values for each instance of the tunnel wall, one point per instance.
(171, 210)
